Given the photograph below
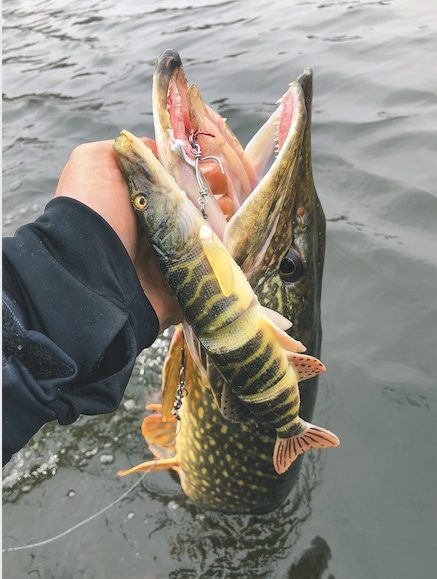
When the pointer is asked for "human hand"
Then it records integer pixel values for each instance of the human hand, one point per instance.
(93, 177)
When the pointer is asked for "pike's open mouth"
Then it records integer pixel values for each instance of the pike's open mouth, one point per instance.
(190, 121)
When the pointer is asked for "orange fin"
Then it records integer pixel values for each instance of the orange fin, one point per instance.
(152, 465)
(305, 366)
(170, 375)
(160, 436)
(286, 341)
(288, 449)
(155, 407)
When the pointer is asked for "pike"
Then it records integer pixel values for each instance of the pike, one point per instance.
(261, 363)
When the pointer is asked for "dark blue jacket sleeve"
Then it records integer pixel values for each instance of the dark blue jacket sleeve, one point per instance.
(74, 319)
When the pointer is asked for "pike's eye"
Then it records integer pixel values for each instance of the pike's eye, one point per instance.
(291, 268)
(140, 202)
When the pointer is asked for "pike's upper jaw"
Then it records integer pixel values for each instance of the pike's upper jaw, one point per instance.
(180, 108)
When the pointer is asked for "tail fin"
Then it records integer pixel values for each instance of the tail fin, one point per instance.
(288, 449)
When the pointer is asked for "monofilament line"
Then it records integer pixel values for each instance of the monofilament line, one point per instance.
(80, 524)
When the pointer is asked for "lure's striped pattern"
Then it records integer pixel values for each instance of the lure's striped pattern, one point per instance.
(257, 370)
(219, 303)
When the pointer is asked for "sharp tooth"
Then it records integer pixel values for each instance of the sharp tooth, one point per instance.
(279, 101)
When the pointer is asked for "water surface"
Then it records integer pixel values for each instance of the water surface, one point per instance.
(76, 72)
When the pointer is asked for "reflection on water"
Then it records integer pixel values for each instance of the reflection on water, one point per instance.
(82, 71)
(313, 562)
(244, 546)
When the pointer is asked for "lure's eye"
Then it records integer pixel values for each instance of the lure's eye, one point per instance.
(291, 268)
(140, 202)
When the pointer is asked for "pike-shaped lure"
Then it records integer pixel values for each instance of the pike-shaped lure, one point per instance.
(259, 361)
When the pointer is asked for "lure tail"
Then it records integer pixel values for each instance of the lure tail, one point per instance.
(288, 449)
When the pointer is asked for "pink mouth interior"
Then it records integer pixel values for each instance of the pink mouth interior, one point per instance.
(178, 110)
(286, 116)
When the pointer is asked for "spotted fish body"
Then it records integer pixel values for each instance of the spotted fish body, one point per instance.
(228, 465)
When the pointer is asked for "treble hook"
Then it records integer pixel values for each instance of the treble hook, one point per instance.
(197, 152)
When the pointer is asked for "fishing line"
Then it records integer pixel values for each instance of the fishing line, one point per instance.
(77, 525)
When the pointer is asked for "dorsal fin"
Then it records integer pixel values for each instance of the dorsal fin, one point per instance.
(286, 341)
(218, 258)
(305, 366)
(277, 318)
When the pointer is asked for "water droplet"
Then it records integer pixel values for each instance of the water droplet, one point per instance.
(172, 506)
(15, 185)
(92, 452)
(23, 210)
(71, 493)
(26, 488)
(130, 515)
(129, 404)
(106, 458)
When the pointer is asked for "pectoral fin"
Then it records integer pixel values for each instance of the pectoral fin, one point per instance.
(161, 440)
(160, 436)
(218, 258)
(288, 449)
(231, 407)
(170, 375)
(152, 466)
(215, 382)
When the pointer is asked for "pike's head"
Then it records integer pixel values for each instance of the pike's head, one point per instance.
(265, 206)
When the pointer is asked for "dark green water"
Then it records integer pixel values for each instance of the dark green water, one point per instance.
(76, 72)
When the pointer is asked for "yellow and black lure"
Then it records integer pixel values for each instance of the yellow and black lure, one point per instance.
(254, 356)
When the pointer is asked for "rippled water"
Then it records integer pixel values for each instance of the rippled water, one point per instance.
(76, 72)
